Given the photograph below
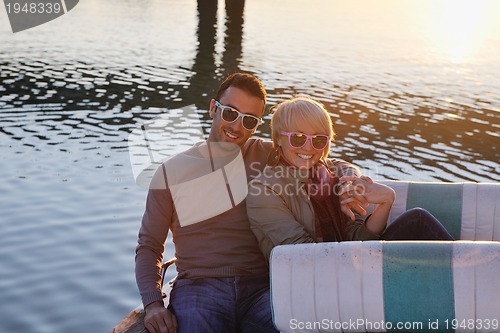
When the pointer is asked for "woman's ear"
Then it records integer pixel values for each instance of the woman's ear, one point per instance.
(282, 141)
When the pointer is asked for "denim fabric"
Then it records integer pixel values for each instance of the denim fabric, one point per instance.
(416, 224)
(222, 305)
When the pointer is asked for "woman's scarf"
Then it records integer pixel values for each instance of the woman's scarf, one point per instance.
(322, 187)
(323, 190)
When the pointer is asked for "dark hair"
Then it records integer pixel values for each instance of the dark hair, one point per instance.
(244, 81)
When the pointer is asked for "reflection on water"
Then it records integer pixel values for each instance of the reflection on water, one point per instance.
(405, 104)
(399, 135)
(434, 130)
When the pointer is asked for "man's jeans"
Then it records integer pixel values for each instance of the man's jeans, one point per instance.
(416, 224)
(219, 305)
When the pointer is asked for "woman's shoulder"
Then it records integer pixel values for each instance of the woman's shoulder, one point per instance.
(275, 174)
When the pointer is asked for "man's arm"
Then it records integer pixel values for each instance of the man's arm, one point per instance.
(149, 255)
(149, 251)
(343, 168)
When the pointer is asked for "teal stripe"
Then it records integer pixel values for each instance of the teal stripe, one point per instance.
(443, 200)
(418, 284)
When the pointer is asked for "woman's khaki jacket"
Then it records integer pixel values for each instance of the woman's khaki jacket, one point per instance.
(280, 210)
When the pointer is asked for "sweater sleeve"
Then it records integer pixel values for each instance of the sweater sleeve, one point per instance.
(342, 168)
(271, 220)
(156, 221)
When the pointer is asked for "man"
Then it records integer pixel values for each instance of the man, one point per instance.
(223, 282)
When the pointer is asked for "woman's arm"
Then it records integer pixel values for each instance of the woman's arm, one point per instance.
(356, 230)
(271, 219)
(375, 193)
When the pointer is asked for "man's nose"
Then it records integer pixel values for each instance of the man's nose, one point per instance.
(237, 125)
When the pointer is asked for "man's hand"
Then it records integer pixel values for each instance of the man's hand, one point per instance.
(158, 319)
(365, 190)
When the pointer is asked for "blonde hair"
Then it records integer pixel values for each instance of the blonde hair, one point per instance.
(289, 114)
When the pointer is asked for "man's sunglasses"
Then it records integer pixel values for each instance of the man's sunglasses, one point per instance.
(298, 140)
(230, 115)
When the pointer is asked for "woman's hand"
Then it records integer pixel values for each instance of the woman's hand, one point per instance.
(351, 201)
(375, 193)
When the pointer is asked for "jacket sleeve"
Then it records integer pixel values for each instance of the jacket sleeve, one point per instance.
(156, 221)
(271, 220)
(356, 230)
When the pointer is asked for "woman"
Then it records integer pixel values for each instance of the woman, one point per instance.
(296, 198)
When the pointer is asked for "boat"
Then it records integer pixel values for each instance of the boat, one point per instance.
(404, 286)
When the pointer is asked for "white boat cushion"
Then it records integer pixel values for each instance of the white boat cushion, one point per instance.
(469, 211)
(367, 286)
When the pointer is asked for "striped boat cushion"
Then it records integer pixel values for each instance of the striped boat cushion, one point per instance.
(377, 286)
(469, 211)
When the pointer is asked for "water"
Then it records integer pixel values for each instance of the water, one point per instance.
(413, 88)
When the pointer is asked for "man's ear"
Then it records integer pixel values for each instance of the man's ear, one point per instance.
(212, 108)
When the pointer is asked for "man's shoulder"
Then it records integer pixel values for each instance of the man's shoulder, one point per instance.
(256, 153)
(191, 151)
(181, 163)
(257, 144)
